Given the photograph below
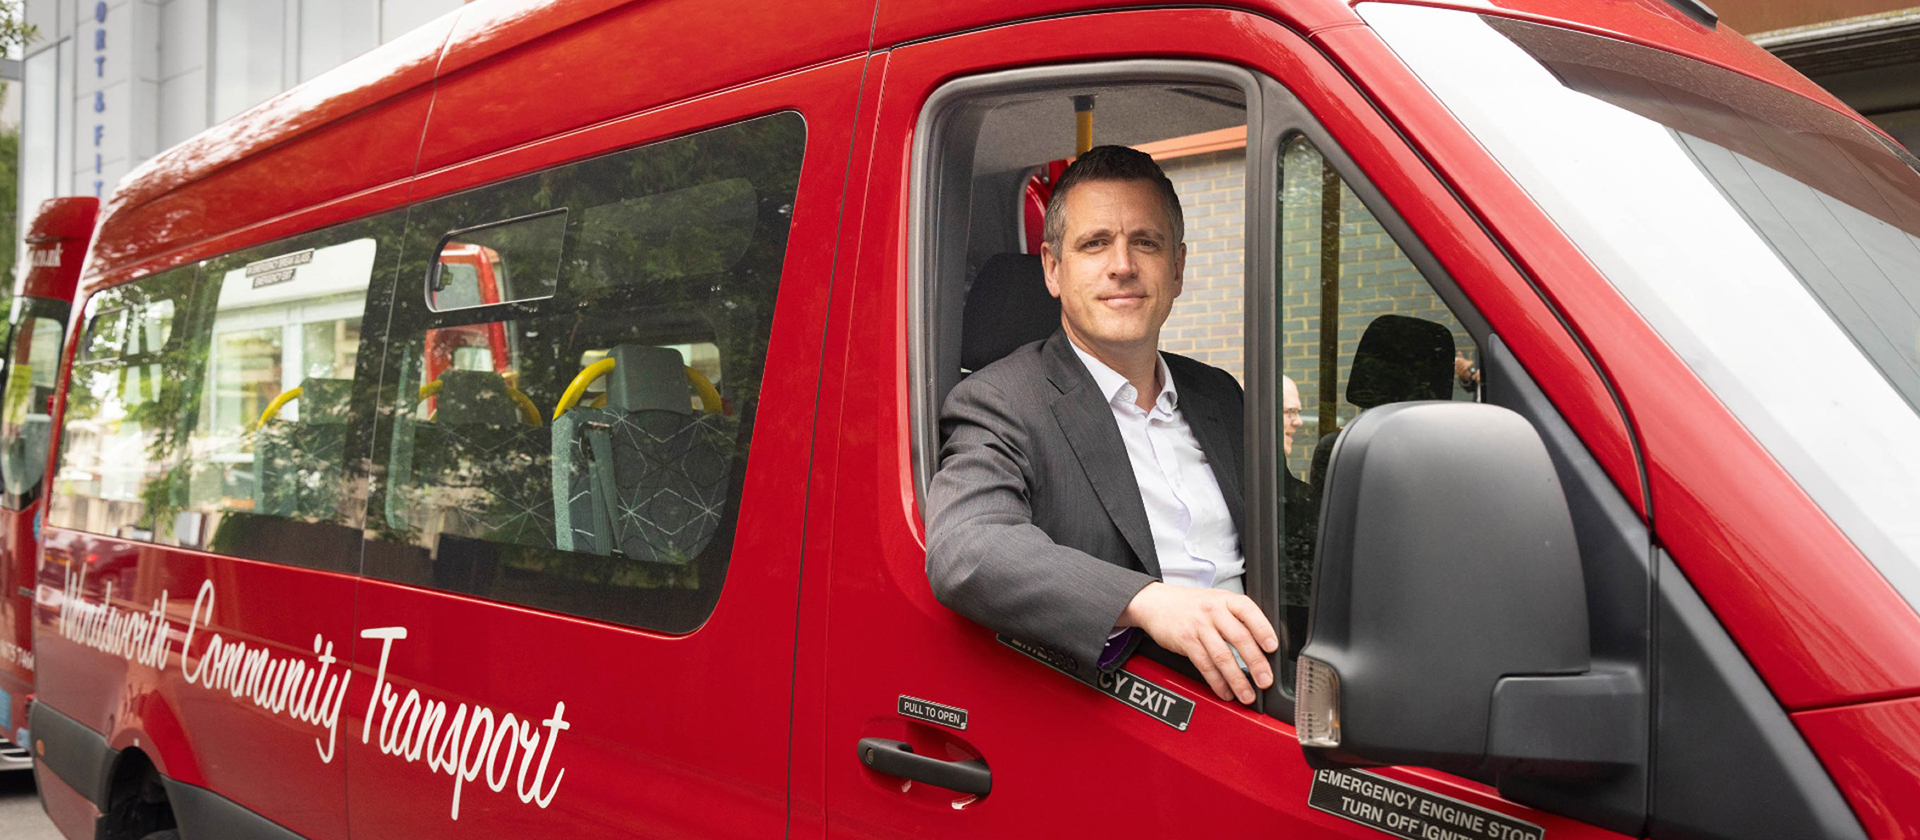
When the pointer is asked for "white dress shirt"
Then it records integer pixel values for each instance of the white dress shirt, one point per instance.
(1193, 533)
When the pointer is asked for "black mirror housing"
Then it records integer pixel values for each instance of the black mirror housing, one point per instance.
(1449, 625)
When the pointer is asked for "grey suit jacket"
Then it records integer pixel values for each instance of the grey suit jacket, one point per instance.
(1036, 527)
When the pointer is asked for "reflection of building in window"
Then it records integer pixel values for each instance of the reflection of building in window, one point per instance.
(25, 424)
(281, 319)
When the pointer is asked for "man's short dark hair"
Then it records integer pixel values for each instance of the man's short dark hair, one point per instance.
(1111, 163)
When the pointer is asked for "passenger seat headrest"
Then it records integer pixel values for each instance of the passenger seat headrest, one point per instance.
(1401, 359)
(475, 397)
(647, 378)
(1008, 306)
(324, 401)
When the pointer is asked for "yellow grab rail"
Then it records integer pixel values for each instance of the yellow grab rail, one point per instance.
(578, 386)
(274, 407)
(710, 401)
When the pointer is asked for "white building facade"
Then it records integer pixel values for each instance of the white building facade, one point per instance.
(111, 83)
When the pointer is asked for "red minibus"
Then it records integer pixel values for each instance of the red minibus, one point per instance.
(56, 244)
(1596, 517)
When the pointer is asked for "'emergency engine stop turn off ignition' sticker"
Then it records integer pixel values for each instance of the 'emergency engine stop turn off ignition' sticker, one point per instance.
(1407, 811)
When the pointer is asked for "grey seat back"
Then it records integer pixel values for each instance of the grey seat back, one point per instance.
(478, 469)
(298, 461)
(647, 476)
(1398, 359)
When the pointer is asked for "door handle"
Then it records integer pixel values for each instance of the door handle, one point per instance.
(897, 758)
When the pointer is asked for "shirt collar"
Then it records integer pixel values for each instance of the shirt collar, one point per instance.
(1112, 384)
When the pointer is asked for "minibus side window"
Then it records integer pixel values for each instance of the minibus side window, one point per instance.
(26, 408)
(1360, 327)
(122, 443)
(212, 406)
(271, 426)
(578, 443)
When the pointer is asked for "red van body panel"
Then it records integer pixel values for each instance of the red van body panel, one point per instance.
(1649, 22)
(746, 725)
(902, 21)
(56, 246)
(18, 552)
(663, 727)
(1872, 749)
(866, 541)
(267, 762)
(628, 59)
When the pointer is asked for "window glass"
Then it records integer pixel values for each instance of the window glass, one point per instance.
(25, 410)
(1771, 241)
(579, 446)
(123, 434)
(472, 272)
(1360, 327)
(269, 435)
(212, 406)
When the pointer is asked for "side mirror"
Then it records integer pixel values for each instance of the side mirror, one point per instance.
(1449, 624)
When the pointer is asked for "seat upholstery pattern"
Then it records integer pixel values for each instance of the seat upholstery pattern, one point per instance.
(299, 464)
(297, 469)
(486, 481)
(651, 485)
(476, 470)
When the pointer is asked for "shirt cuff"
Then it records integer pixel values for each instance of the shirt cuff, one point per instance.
(1118, 646)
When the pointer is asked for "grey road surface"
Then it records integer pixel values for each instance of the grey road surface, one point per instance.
(20, 814)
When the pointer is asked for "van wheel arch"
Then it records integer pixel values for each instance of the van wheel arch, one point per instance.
(137, 803)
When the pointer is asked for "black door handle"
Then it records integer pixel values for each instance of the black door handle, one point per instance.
(897, 758)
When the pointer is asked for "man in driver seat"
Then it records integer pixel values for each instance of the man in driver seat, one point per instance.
(1089, 487)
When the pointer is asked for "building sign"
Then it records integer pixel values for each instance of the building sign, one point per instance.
(97, 113)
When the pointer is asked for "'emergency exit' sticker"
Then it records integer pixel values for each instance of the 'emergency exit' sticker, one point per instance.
(1407, 811)
(1157, 701)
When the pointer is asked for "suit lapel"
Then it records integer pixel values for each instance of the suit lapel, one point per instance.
(1206, 416)
(1087, 422)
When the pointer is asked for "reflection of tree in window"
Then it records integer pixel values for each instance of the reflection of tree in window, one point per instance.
(32, 374)
(125, 409)
(676, 246)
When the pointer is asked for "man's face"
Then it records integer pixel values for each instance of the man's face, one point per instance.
(1290, 421)
(1118, 269)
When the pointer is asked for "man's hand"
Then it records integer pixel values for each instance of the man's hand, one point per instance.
(1208, 626)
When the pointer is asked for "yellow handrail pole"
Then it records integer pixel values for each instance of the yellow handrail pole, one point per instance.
(709, 395)
(528, 412)
(274, 407)
(1082, 124)
(578, 386)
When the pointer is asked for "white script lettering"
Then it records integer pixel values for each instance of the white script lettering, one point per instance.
(284, 686)
(475, 740)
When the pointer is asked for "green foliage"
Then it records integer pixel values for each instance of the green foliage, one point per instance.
(15, 33)
(9, 210)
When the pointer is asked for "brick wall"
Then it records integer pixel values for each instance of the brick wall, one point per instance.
(1208, 320)
(1375, 278)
